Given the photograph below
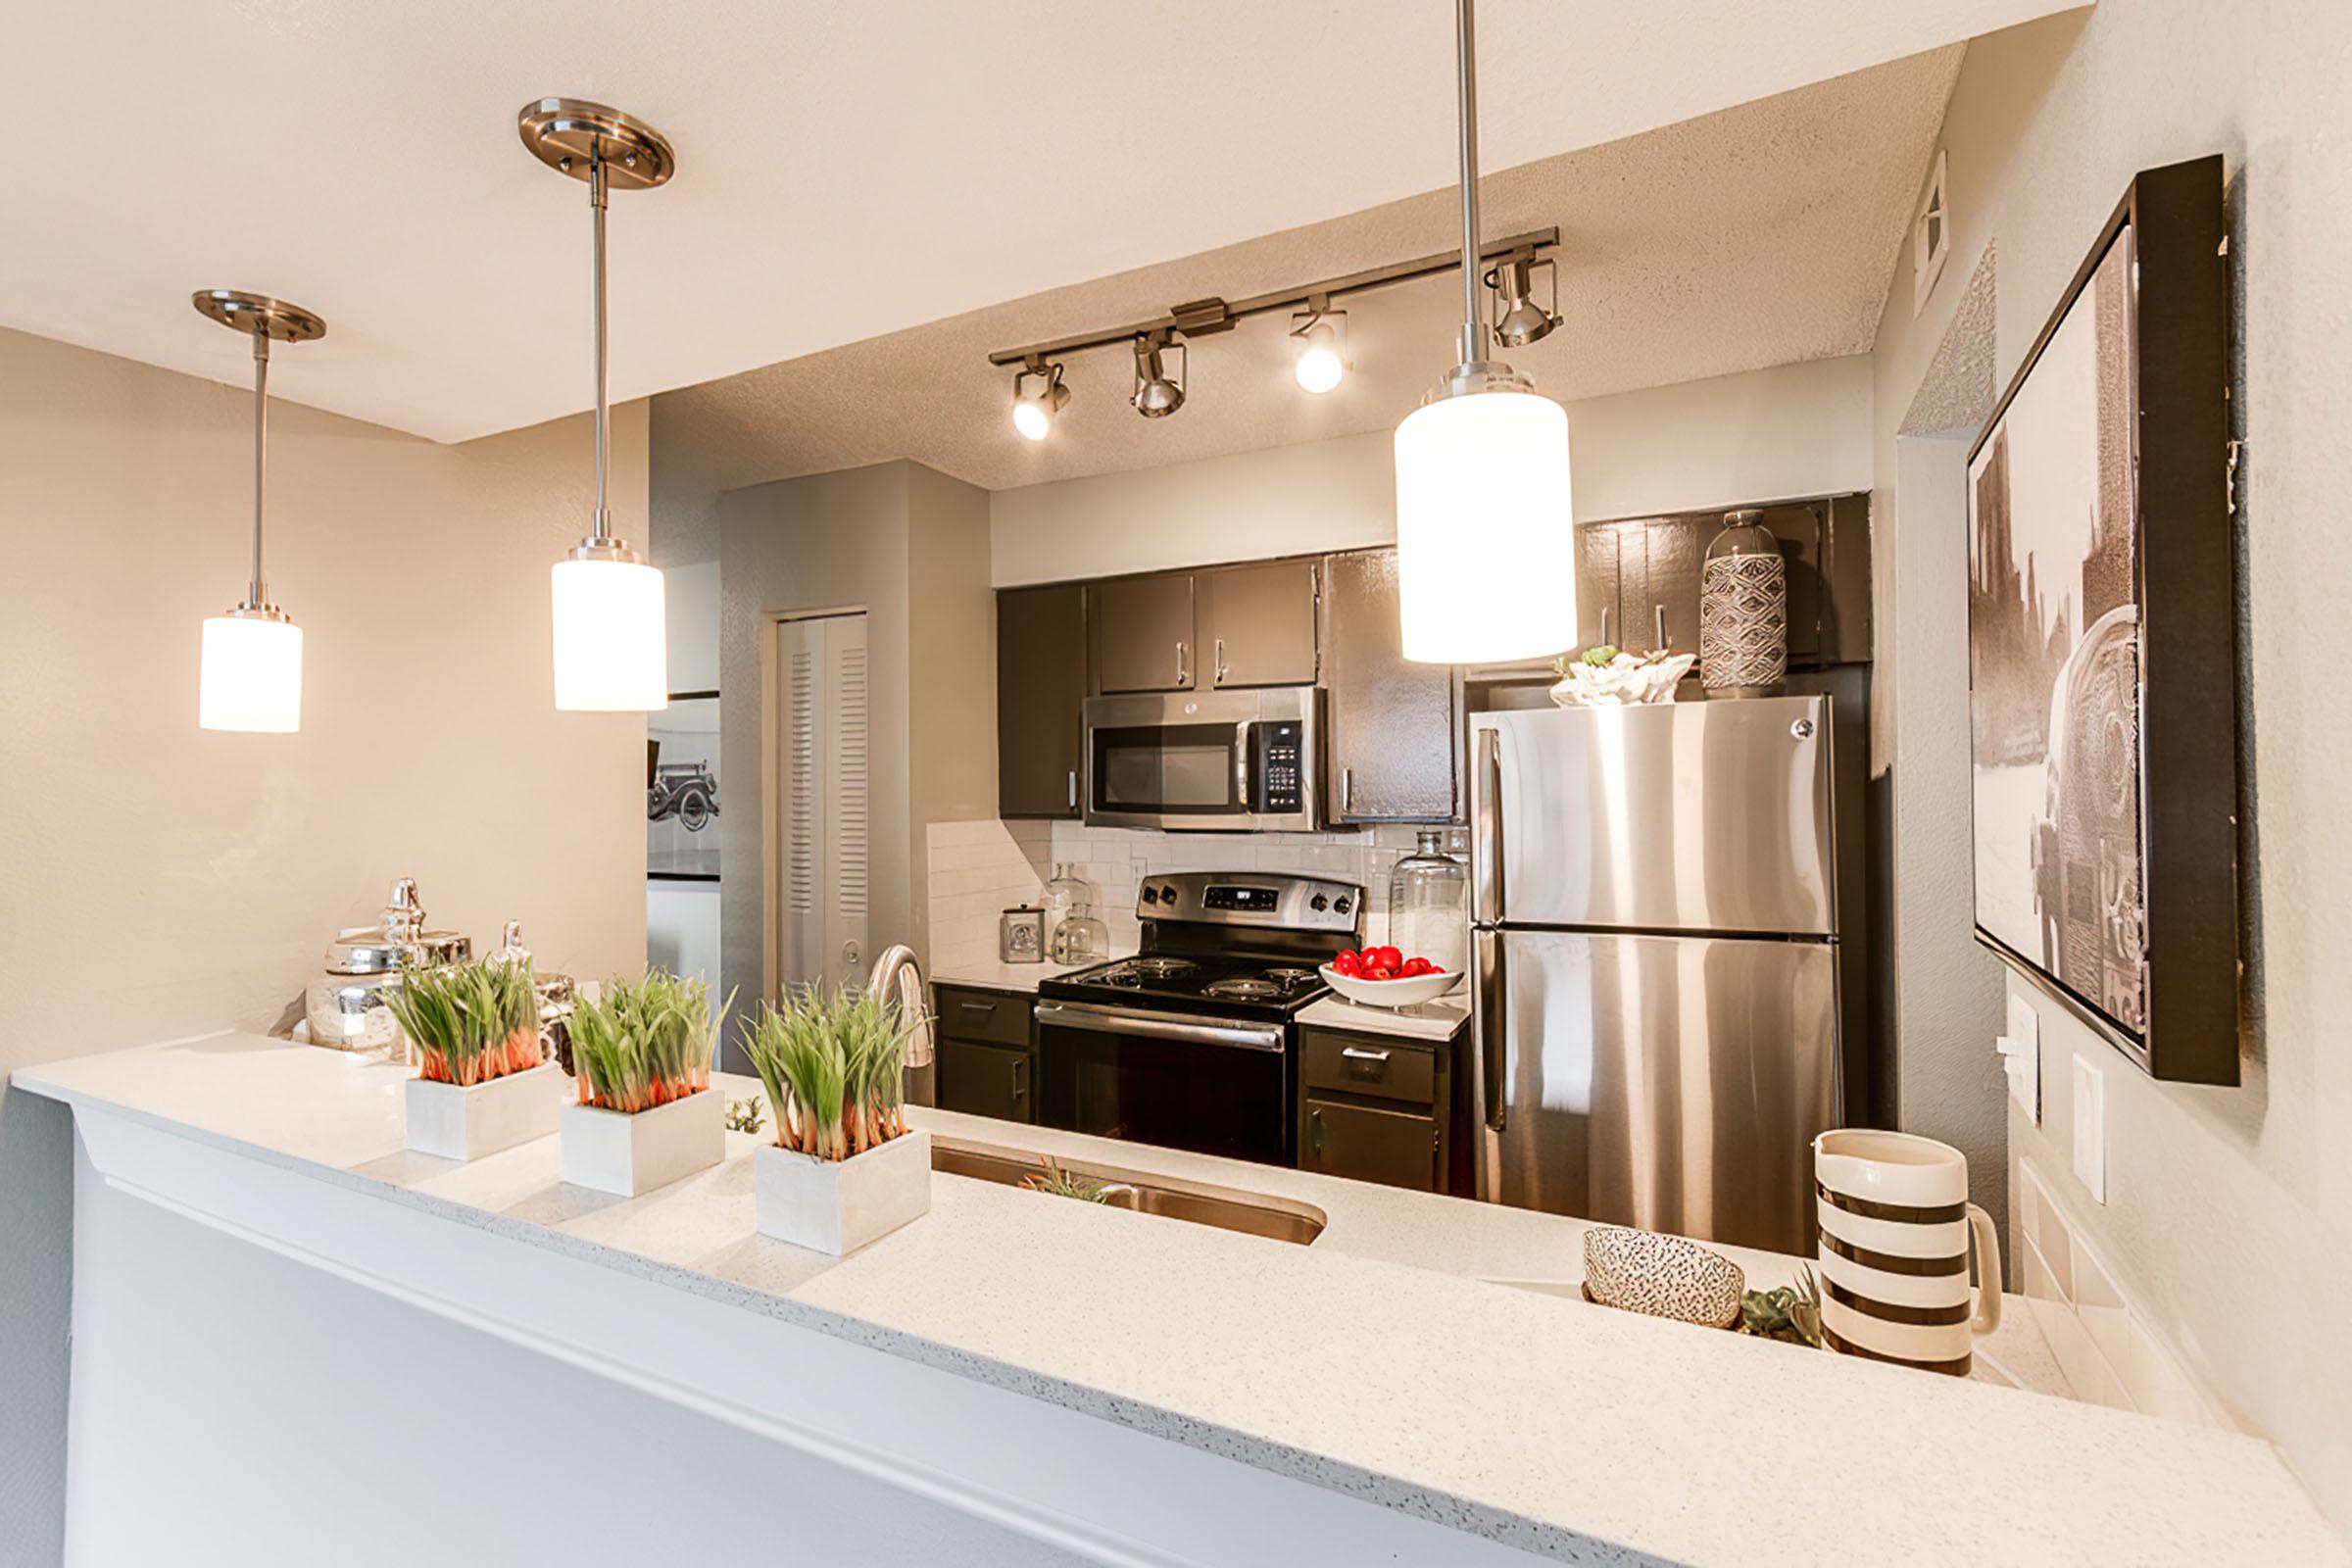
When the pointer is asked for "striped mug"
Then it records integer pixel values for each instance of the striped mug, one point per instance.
(1895, 1224)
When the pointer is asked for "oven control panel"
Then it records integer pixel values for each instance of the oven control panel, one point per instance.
(1252, 898)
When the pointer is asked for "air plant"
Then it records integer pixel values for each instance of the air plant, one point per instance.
(471, 1022)
(832, 1067)
(1788, 1313)
(645, 1043)
(1062, 1182)
(746, 1115)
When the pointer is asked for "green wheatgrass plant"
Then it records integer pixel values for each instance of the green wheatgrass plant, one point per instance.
(1054, 1178)
(832, 1066)
(470, 1022)
(645, 1043)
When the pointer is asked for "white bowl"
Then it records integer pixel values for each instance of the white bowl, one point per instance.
(1391, 993)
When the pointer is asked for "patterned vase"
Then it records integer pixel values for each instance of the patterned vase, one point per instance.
(1743, 611)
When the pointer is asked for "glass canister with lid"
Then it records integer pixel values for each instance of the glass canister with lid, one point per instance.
(345, 1007)
(1428, 915)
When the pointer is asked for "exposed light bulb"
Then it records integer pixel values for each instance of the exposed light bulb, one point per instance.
(1031, 419)
(1034, 407)
(1318, 366)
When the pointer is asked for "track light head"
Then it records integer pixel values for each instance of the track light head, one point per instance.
(1518, 319)
(1155, 395)
(1318, 348)
(1034, 407)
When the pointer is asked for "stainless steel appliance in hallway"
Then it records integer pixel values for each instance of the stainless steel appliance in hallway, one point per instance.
(1657, 979)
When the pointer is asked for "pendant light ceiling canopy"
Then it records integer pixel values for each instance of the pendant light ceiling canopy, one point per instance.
(1486, 535)
(251, 671)
(611, 642)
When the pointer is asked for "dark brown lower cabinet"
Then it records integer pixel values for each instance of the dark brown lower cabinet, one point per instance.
(981, 1079)
(1392, 1145)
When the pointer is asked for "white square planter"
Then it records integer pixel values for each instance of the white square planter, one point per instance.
(626, 1154)
(837, 1206)
(483, 1118)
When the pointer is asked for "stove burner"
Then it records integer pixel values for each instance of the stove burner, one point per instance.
(1159, 968)
(1245, 990)
(1286, 976)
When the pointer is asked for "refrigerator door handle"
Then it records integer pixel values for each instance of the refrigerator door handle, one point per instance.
(1486, 828)
(1491, 1024)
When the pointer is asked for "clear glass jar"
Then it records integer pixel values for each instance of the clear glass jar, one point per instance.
(1066, 894)
(1429, 913)
(1081, 937)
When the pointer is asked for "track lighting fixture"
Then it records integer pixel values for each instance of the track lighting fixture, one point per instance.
(1518, 319)
(1486, 535)
(611, 653)
(1319, 352)
(1155, 396)
(1033, 409)
(251, 674)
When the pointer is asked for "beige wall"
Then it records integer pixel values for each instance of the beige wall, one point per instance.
(909, 547)
(159, 880)
(1792, 430)
(2228, 1211)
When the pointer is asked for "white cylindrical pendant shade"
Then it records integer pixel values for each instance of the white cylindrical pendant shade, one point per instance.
(1485, 537)
(611, 648)
(251, 675)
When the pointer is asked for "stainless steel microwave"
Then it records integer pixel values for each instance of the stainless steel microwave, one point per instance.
(1234, 762)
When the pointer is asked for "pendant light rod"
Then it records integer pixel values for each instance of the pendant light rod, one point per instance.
(604, 410)
(1474, 325)
(256, 591)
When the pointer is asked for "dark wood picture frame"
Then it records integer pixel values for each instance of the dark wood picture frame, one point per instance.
(2183, 585)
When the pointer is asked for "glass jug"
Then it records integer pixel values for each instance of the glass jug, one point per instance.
(1428, 909)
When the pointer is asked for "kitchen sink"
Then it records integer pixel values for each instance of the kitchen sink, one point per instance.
(1195, 1202)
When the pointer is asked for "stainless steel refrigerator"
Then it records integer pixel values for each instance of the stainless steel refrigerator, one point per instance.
(1656, 986)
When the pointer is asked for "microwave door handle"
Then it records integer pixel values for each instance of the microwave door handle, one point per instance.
(1240, 763)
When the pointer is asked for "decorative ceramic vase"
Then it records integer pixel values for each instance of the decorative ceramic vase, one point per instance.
(1743, 611)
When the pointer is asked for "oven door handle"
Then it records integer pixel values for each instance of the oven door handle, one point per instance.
(1159, 1026)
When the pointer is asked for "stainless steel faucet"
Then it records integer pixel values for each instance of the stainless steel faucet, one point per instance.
(899, 978)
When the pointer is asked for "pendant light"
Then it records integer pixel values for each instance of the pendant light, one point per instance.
(610, 644)
(1485, 537)
(251, 672)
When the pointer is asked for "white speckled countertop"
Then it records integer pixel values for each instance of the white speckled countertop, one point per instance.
(1430, 1020)
(990, 975)
(1367, 1362)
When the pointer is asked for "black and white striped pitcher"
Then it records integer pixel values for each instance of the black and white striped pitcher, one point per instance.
(1895, 1224)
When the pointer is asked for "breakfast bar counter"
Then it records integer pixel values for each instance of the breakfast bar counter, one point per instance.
(1080, 1383)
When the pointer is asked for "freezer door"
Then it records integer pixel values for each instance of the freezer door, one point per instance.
(1671, 1083)
(1689, 816)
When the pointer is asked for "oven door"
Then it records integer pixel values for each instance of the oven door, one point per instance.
(1229, 762)
(1214, 1085)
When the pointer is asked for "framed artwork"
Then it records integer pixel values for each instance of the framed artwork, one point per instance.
(2102, 701)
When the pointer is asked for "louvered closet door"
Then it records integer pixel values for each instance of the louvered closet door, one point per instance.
(823, 818)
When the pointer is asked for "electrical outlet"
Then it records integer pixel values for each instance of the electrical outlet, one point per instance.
(2020, 1055)
(2089, 1115)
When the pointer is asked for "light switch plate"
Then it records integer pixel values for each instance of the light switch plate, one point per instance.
(2089, 1115)
(2020, 1055)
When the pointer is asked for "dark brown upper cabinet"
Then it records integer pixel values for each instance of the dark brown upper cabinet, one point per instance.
(1644, 575)
(1257, 623)
(1040, 690)
(1390, 751)
(1144, 638)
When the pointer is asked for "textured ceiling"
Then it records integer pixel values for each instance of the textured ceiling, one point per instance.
(846, 170)
(1760, 236)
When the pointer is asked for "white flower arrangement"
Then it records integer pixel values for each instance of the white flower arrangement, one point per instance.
(1609, 677)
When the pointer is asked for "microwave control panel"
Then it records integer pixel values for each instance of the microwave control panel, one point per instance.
(1279, 759)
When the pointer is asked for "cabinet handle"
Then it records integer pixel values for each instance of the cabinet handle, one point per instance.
(1314, 1129)
(1660, 612)
(1605, 625)
(1073, 789)
(986, 1009)
(1020, 1077)
(1182, 679)
(1346, 790)
(1219, 647)
(1359, 1053)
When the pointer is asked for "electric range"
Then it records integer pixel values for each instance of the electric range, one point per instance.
(1194, 1043)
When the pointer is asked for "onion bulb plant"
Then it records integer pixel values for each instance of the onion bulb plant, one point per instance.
(832, 1066)
(471, 1022)
(645, 1043)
